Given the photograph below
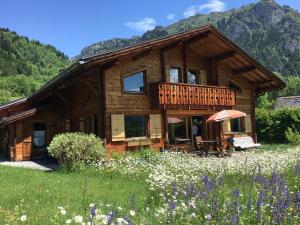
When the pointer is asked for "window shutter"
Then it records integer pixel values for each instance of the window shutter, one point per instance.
(226, 126)
(117, 127)
(248, 124)
(155, 126)
(203, 78)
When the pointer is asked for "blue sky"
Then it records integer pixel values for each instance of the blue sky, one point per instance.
(70, 25)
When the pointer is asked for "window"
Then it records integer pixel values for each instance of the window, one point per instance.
(234, 86)
(135, 126)
(134, 83)
(39, 135)
(175, 75)
(237, 125)
(177, 127)
(192, 77)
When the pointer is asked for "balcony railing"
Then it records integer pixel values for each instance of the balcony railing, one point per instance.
(192, 95)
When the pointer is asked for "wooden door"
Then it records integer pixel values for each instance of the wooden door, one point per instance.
(26, 148)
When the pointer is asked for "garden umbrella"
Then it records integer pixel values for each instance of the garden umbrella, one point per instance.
(174, 120)
(225, 115)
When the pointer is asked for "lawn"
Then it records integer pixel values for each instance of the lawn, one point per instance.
(248, 188)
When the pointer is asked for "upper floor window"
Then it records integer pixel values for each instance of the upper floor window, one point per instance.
(193, 77)
(175, 75)
(134, 83)
(234, 86)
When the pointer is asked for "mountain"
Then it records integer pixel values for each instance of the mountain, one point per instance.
(26, 64)
(267, 31)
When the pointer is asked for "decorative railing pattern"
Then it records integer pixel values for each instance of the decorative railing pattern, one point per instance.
(197, 95)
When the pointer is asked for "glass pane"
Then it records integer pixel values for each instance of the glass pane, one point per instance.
(174, 75)
(135, 126)
(236, 125)
(39, 135)
(134, 83)
(192, 77)
(177, 128)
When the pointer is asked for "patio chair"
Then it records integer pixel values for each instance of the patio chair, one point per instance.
(199, 147)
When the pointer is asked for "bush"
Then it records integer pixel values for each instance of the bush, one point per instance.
(76, 149)
(272, 125)
(292, 136)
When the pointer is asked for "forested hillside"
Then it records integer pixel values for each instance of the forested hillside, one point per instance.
(267, 31)
(26, 64)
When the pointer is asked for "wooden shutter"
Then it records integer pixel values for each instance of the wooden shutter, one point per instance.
(155, 126)
(248, 123)
(117, 127)
(226, 126)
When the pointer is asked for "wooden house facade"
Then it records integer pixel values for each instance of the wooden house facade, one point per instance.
(144, 95)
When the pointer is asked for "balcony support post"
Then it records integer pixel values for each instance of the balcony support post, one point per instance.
(184, 63)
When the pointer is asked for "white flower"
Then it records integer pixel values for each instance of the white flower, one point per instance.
(208, 217)
(78, 219)
(23, 218)
(60, 207)
(132, 213)
(105, 220)
(68, 221)
(63, 212)
(92, 205)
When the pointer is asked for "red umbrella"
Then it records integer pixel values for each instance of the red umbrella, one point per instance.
(174, 120)
(225, 115)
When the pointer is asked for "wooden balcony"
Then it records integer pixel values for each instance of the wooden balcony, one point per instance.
(191, 96)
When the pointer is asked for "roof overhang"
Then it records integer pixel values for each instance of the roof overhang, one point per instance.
(18, 116)
(260, 77)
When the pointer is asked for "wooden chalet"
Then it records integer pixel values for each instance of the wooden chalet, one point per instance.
(143, 95)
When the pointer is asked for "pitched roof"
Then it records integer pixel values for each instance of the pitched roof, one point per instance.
(259, 76)
(287, 102)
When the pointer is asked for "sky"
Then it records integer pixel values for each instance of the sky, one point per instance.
(71, 25)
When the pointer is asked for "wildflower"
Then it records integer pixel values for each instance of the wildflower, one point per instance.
(132, 213)
(78, 219)
(63, 212)
(208, 217)
(23, 218)
(68, 221)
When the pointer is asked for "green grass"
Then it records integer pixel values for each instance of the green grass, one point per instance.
(275, 147)
(38, 194)
(43, 192)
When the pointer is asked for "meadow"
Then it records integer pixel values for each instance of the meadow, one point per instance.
(252, 187)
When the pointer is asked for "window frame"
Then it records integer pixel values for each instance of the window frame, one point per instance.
(197, 76)
(240, 89)
(146, 118)
(135, 92)
(179, 75)
(34, 146)
(241, 125)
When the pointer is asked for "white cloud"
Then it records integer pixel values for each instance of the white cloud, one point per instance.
(171, 16)
(142, 25)
(191, 11)
(210, 6)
